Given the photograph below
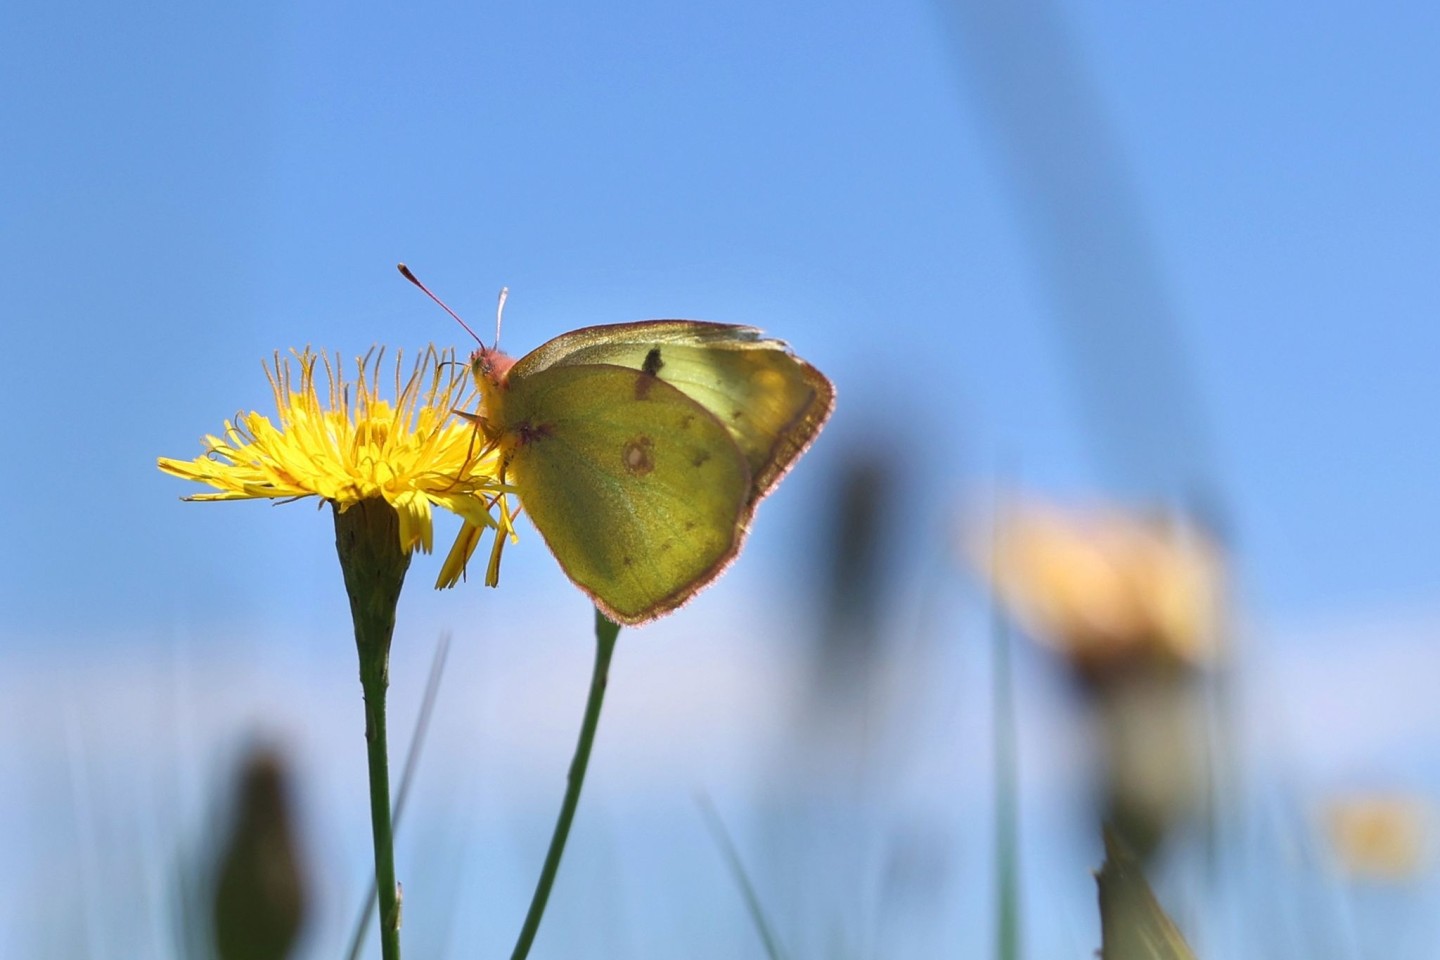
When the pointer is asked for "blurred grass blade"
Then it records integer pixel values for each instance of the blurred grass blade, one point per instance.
(741, 878)
(1133, 925)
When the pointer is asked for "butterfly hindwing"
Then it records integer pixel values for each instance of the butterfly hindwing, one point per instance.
(770, 401)
(640, 492)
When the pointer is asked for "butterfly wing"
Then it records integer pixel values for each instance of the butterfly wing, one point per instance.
(640, 493)
(770, 401)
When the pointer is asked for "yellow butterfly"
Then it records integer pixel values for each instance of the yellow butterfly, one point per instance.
(640, 450)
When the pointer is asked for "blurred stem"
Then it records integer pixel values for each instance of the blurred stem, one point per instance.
(606, 631)
(367, 538)
(1007, 874)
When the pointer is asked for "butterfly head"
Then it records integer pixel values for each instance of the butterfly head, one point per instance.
(490, 367)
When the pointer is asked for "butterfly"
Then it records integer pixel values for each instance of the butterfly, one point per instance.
(641, 450)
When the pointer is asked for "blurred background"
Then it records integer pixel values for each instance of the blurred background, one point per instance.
(1125, 304)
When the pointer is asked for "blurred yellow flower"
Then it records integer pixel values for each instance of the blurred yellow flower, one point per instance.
(1383, 836)
(1133, 601)
(1107, 583)
(348, 445)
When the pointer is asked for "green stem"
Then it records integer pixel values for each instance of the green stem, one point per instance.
(605, 634)
(374, 683)
(407, 777)
(1007, 791)
(367, 538)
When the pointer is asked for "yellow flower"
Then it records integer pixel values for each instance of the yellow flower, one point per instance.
(1106, 584)
(348, 445)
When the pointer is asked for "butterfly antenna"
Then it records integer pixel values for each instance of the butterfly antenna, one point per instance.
(500, 313)
(405, 272)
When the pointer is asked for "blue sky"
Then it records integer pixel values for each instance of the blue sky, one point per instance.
(190, 189)
(1221, 220)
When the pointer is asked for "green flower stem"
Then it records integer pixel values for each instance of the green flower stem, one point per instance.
(367, 538)
(374, 681)
(606, 632)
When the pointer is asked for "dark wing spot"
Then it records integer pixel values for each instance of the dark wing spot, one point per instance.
(700, 458)
(531, 432)
(638, 455)
(652, 363)
(737, 414)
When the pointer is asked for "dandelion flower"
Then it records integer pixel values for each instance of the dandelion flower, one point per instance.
(346, 444)
(383, 466)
